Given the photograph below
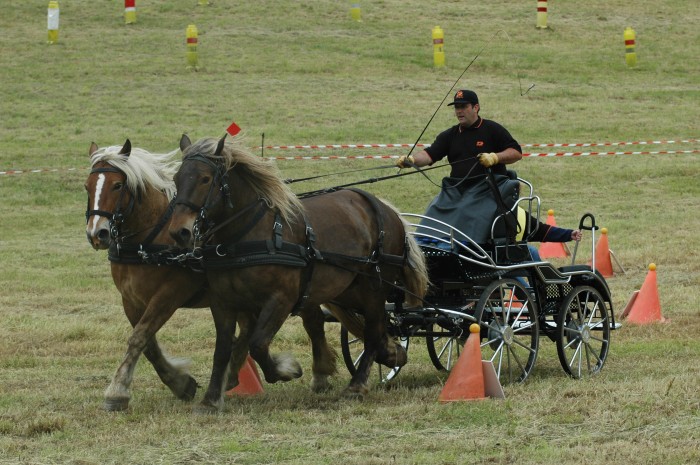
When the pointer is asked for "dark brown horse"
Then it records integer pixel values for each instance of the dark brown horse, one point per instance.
(276, 255)
(128, 194)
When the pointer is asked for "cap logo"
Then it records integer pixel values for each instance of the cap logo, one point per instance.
(459, 94)
(480, 143)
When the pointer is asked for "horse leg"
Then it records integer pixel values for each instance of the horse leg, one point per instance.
(240, 352)
(324, 356)
(376, 346)
(278, 367)
(173, 372)
(225, 324)
(117, 393)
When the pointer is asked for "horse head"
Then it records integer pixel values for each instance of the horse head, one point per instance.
(202, 184)
(106, 187)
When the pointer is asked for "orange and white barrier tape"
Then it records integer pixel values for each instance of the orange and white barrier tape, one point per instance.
(379, 157)
(375, 146)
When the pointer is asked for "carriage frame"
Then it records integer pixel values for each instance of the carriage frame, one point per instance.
(515, 300)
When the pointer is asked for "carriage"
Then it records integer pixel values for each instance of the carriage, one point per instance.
(514, 299)
(238, 240)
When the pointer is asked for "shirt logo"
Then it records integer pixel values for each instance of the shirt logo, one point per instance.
(480, 143)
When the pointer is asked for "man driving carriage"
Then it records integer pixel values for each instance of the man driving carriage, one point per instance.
(472, 139)
(466, 201)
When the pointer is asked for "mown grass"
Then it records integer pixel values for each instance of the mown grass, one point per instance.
(303, 73)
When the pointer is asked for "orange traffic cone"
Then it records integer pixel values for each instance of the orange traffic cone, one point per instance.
(644, 306)
(466, 380)
(552, 249)
(603, 262)
(248, 380)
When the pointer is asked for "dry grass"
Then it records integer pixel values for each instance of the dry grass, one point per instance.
(302, 73)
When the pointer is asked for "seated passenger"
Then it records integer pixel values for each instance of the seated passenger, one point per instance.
(542, 233)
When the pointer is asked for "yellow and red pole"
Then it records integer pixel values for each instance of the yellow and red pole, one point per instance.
(129, 11)
(53, 14)
(541, 14)
(192, 39)
(438, 44)
(630, 53)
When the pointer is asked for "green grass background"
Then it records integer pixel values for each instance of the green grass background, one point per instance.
(304, 73)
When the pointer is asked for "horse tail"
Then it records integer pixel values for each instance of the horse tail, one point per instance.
(353, 322)
(415, 272)
(415, 269)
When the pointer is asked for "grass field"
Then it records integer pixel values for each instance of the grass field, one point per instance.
(304, 73)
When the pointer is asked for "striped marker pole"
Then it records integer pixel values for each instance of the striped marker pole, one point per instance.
(355, 11)
(630, 54)
(53, 14)
(129, 11)
(541, 14)
(191, 37)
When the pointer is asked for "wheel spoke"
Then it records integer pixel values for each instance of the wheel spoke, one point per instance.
(524, 346)
(516, 358)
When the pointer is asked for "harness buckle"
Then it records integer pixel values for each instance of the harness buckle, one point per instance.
(277, 229)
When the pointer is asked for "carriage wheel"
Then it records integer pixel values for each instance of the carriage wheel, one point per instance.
(353, 348)
(583, 331)
(507, 315)
(444, 350)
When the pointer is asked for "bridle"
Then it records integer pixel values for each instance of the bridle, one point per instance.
(202, 228)
(117, 217)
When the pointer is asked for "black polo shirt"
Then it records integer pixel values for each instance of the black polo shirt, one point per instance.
(462, 145)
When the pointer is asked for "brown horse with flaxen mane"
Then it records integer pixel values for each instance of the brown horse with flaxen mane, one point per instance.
(129, 190)
(274, 254)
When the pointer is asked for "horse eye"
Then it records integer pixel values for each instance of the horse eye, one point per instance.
(206, 180)
(118, 186)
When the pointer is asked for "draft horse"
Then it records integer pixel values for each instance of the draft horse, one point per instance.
(274, 255)
(129, 191)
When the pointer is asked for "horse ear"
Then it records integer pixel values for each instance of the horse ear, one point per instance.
(185, 142)
(93, 148)
(126, 149)
(220, 146)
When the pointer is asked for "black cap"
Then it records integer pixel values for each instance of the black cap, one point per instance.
(465, 96)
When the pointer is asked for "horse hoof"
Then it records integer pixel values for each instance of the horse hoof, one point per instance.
(355, 392)
(287, 367)
(205, 408)
(118, 404)
(401, 356)
(320, 383)
(190, 390)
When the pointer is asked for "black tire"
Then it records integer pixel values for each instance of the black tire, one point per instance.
(583, 330)
(507, 315)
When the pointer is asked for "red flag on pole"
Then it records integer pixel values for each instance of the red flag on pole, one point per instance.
(233, 129)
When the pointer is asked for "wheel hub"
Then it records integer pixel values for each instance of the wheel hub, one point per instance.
(508, 335)
(585, 334)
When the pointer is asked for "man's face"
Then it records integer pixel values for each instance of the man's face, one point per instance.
(466, 113)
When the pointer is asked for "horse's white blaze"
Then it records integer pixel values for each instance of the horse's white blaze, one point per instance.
(96, 204)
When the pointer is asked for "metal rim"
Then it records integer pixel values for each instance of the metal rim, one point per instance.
(583, 329)
(507, 314)
(353, 347)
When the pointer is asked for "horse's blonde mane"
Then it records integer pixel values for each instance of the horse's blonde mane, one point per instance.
(142, 168)
(261, 174)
